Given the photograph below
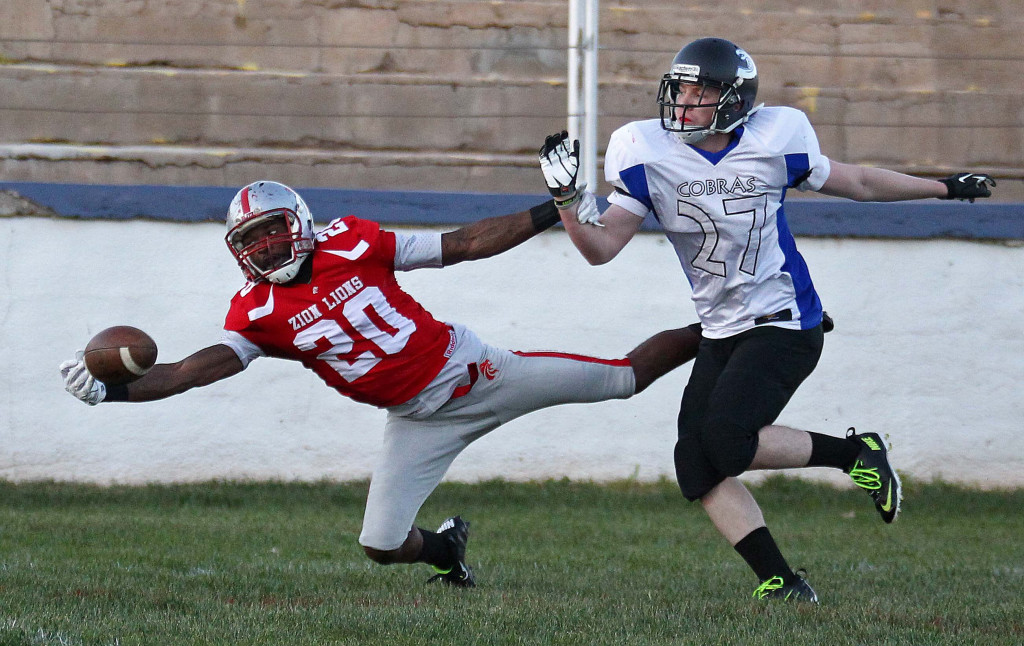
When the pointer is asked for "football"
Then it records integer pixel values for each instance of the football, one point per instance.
(120, 354)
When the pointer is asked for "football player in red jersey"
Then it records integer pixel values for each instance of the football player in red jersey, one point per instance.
(330, 300)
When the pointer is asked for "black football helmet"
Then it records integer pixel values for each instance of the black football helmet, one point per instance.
(709, 62)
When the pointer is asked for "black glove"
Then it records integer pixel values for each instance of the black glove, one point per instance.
(827, 324)
(967, 186)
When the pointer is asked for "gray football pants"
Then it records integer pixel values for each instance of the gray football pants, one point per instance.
(417, 452)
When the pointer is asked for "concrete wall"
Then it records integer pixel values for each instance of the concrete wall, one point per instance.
(456, 95)
(928, 350)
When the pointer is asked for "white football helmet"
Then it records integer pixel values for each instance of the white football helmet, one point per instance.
(270, 231)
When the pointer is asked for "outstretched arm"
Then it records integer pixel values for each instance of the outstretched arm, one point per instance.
(491, 236)
(199, 369)
(599, 244)
(599, 237)
(867, 184)
(163, 380)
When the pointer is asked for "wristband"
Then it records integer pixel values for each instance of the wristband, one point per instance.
(950, 183)
(544, 216)
(116, 393)
(569, 201)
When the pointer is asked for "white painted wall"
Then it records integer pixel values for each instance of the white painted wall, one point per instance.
(928, 349)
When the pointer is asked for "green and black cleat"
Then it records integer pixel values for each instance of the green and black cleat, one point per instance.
(798, 591)
(872, 472)
(456, 532)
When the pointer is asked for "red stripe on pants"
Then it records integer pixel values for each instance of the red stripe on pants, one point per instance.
(576, 357)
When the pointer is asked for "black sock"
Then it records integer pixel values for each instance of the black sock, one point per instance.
(759, 550)
(829, 451)
(436, 550)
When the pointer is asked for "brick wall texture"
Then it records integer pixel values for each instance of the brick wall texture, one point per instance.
(453, 95)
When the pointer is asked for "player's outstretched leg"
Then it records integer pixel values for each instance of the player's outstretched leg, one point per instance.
(872, 472)
(455, 531)
(799, 590)
(662, 353)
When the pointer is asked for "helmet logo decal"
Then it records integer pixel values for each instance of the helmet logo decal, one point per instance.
(685, 69)
(747, 70)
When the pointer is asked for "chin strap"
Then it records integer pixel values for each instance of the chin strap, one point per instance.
(697, 136)
(693, 136)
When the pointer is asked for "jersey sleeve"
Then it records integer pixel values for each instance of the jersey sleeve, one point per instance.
(417, 251)
(626, 173)
(354, 238)
(236, 321)
(236, 318)
(243, 347)
(806, 168)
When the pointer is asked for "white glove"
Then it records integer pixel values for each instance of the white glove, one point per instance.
(587, 212)
(80, 383)
(560, 163)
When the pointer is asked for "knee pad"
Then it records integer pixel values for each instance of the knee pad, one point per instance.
(694, 473)
(729, 447)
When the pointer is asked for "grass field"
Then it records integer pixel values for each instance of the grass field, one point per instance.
(557, 563)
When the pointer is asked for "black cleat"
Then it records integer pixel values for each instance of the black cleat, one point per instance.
(798, 591)
(872, 472)
(456, 532)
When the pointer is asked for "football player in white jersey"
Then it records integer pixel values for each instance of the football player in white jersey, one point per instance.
(329, 299)
(714, 171)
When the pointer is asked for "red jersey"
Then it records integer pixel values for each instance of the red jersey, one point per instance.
(351, 323)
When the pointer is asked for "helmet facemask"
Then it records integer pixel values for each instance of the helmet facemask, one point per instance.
(726, 110)
(270, 255)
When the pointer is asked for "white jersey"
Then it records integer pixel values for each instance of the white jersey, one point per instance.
(723, 213)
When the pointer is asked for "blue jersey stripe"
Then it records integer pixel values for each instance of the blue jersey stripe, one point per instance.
(798, 167)
(635, 179)
(807, 300)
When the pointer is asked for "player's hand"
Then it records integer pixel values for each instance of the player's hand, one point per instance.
(80, 383)
(560, 163)
(967, 186)
(587, 211)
